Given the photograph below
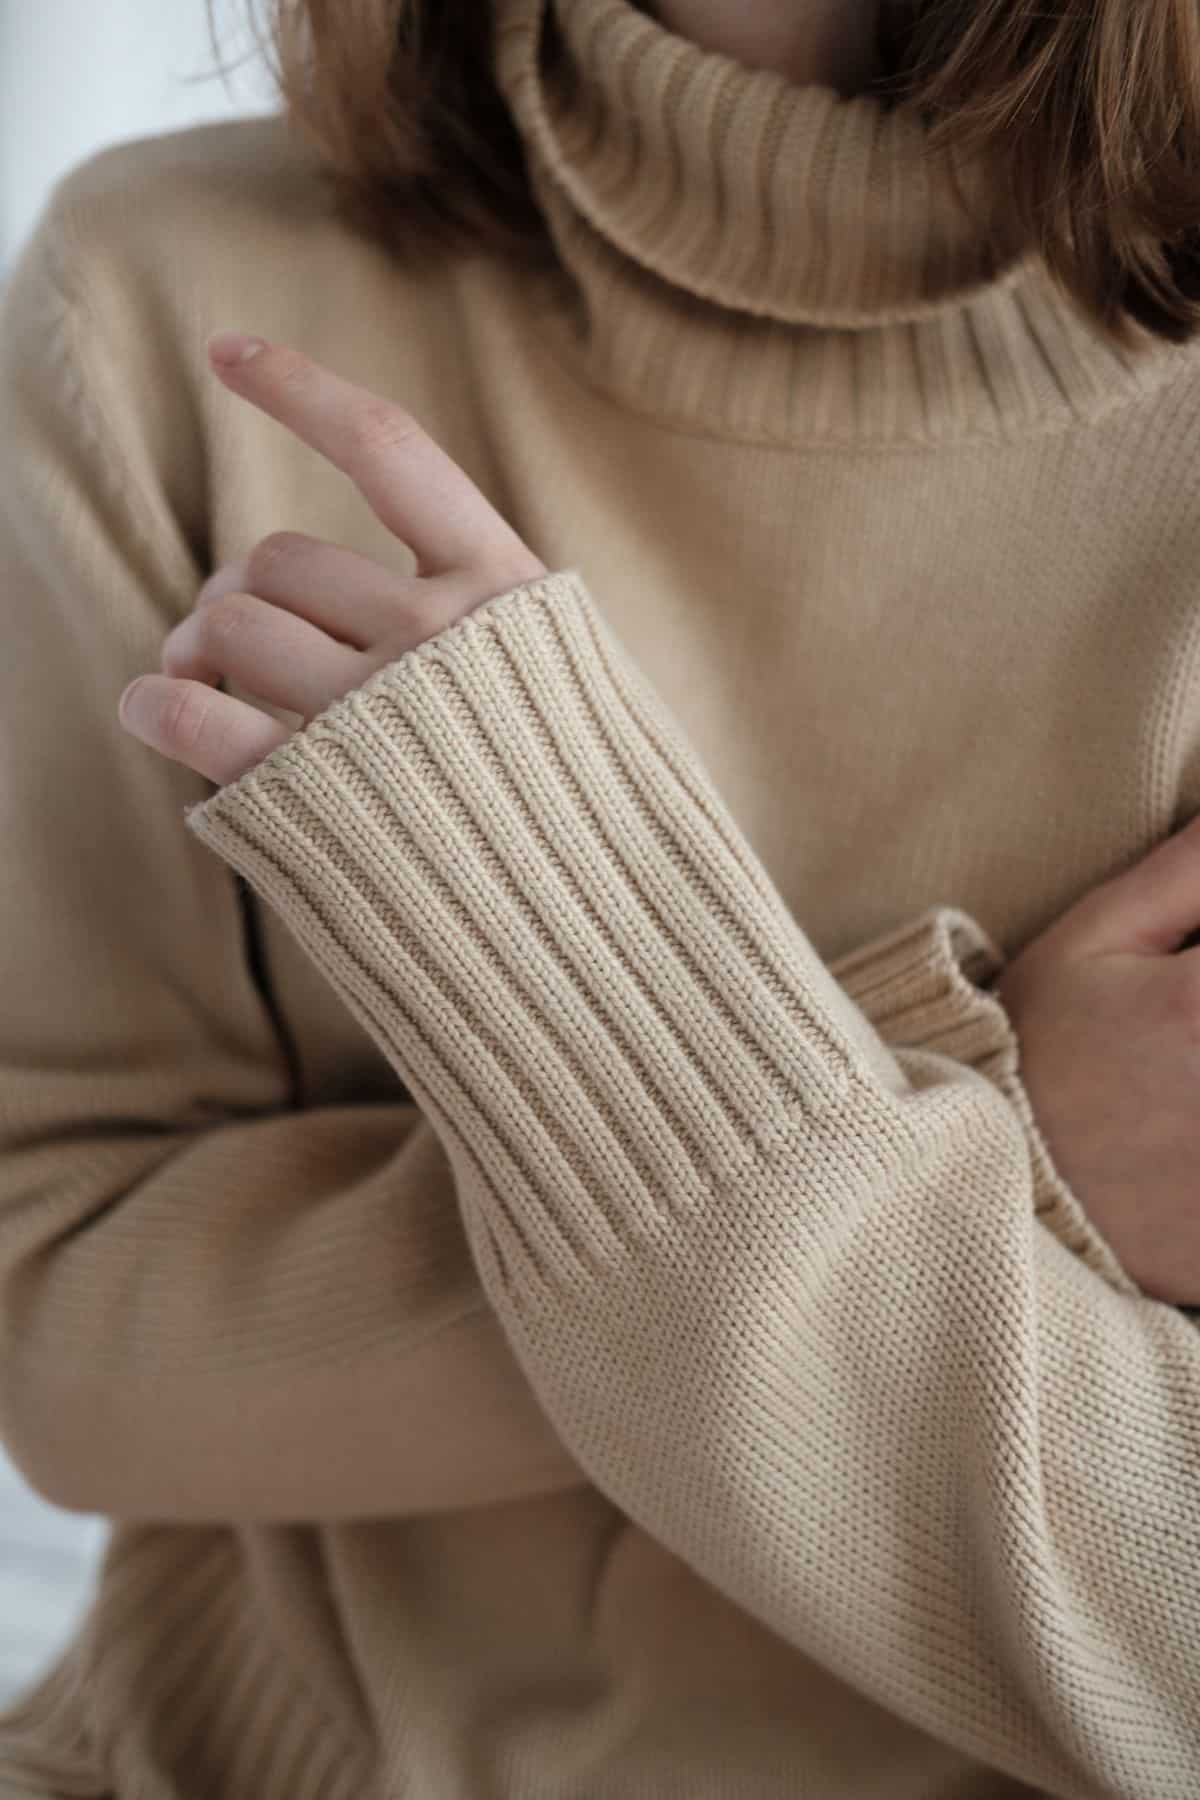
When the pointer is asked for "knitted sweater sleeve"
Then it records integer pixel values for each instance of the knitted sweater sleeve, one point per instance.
(802, 1305)
(200, 1278)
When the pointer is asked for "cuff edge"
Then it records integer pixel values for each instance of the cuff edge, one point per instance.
(554, 587)
(922, 987)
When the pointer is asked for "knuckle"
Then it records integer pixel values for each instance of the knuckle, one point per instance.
(221, 622)
(382, 426)
(516, 569)
(185, 716)
(276, 548)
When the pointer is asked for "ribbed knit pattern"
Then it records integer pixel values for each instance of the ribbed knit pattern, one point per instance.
(670, 175)
(676, 1169)
(922, 986)
(523, 1207)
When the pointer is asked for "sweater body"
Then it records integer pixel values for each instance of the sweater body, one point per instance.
(941, 647)
(944, 655)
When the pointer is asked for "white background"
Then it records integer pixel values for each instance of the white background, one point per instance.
(75, 75)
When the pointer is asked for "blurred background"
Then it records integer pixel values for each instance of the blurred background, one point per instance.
(76, 75)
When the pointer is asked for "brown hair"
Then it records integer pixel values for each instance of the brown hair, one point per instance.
(1087, 112)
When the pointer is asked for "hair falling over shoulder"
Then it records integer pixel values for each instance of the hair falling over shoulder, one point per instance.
(1087, 111)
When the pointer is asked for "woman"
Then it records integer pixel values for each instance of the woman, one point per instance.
(519, 1200)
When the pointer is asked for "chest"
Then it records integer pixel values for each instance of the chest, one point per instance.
(914, 678)
(956, 678)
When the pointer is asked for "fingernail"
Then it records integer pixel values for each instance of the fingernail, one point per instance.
(228, 347)
(123, 702)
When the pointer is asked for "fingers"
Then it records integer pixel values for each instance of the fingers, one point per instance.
(218, 736)
(1148, 909)
(414, 488)
(266, 650)
(346, 595)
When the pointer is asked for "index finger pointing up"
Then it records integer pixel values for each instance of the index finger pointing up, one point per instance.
(408, 481)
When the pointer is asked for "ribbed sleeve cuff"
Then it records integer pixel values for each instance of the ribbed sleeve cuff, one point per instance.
(504, 853)
(507, 857)
(921, 985)
(925, 986)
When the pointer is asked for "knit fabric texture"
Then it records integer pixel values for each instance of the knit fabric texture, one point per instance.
(522, 1207)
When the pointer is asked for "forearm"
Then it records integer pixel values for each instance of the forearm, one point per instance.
(188, 1319)
(218, 1303)
(213, 1305)
(804, 1307)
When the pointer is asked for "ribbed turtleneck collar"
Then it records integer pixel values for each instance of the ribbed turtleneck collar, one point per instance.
(714, 216)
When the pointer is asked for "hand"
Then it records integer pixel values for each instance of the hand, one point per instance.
(299, 622)
(1109, 1025)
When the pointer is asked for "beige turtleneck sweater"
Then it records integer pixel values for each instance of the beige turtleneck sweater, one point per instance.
(521, 1207)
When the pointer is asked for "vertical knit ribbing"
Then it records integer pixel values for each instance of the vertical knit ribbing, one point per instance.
(671, 175)
(678, 1159)
(178, 1653)
(967, 677)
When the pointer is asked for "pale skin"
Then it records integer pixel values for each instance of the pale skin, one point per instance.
(1105, 1004)
(828, 42)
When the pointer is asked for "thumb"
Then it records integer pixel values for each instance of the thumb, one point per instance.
(1146, 910)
